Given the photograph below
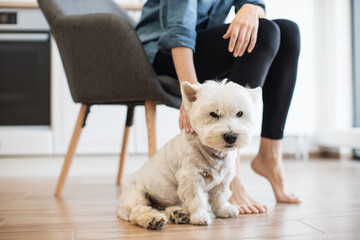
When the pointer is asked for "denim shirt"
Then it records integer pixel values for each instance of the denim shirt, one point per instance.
(166, 24)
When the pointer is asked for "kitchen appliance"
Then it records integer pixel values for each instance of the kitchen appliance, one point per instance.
(24, 82)
(24, 68)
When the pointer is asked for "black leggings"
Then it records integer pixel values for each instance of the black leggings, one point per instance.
(272, 65)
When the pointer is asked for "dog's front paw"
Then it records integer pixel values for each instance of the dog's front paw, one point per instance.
(200, 218)
(227, 211)
(157, 222)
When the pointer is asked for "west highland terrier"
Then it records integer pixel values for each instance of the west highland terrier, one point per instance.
(193, 171)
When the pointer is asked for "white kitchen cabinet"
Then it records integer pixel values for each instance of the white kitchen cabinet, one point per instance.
(22, 140)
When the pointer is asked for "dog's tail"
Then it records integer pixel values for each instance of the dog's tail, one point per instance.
(134, 206)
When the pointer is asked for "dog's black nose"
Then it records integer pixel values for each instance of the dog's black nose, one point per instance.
(230, 137)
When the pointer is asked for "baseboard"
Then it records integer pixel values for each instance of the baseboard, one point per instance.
(334, 138)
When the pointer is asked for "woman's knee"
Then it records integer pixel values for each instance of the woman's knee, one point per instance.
(290, 34)
(268, 36)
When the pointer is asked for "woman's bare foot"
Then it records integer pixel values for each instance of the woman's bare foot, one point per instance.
(242, 199)
(268, 163)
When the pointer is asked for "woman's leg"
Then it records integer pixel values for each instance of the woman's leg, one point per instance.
(277, 94)
(252, 70)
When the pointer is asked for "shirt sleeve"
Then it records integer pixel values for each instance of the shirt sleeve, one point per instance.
(178, 20)
(239, 3)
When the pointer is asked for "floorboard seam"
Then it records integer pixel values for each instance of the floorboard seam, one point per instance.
(2, 222)
(310, 226)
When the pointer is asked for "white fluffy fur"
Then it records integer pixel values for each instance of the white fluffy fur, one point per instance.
(193, 171)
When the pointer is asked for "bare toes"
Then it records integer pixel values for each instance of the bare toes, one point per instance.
(246, 210)
(253, 209)
(262, 209)
(241, 211)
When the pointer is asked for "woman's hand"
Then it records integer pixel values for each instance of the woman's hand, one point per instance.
(243, 29)
(184, 121)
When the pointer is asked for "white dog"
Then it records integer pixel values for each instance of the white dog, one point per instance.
(194, 170)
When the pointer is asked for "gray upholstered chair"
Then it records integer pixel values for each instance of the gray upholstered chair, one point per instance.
(105, 63)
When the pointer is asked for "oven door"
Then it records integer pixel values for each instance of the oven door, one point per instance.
(24, 78)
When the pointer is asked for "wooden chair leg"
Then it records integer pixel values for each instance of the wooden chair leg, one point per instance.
(123, 155)
(129, 120)
(150, 109)
(71, 149)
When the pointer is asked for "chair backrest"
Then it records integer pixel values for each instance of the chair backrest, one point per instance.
(102, 55)
(58, 8)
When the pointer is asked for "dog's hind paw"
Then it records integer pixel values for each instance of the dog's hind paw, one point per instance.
(156, 223)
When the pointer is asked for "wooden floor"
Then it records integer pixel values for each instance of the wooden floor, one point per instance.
(330, 190)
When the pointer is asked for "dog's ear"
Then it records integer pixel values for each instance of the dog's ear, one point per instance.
(255, 93)
(189, 91)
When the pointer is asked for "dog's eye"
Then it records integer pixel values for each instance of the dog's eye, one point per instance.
(214, 115)
(239, 114)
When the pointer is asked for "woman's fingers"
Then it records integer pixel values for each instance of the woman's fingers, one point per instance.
(233, 38)
(181, 118)
(181, 125)
(184, 121)
(188, 128)
(240, 37)
(245, 42)
(186, 124)
(240, 41)
(227, 34)
(243, 29)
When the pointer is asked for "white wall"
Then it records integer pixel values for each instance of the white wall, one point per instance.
(333, 97)
(322, 99)
(323, 95)
(301, 117)
(334, 100)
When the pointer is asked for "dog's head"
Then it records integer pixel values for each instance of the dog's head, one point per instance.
(222, 114)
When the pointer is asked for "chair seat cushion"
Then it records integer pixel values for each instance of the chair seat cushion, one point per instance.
(170, 85)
